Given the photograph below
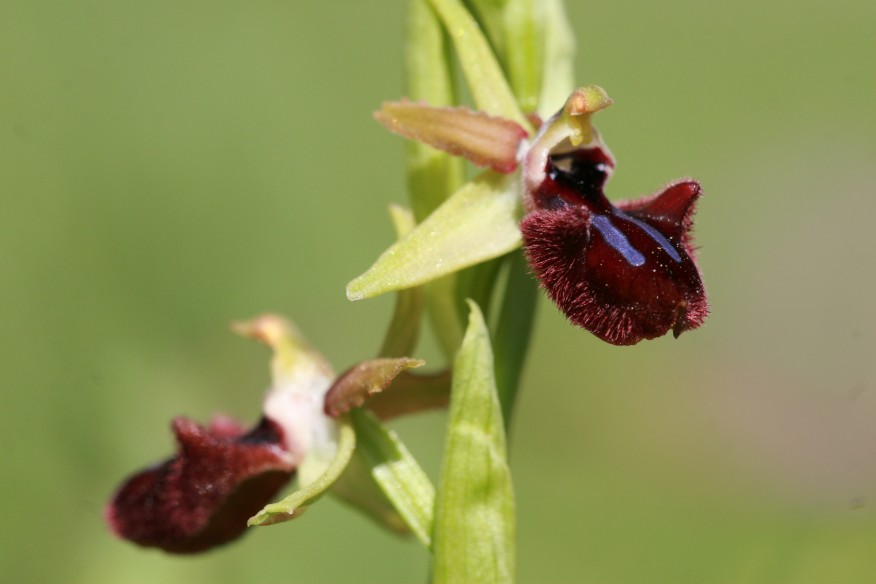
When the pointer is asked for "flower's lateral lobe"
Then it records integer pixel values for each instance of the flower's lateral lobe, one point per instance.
(625, 272)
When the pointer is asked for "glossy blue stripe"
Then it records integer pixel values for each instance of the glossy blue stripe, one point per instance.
(655, 235)
(616, 239)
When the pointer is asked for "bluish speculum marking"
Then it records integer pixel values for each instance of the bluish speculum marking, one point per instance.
(615, 238)
(653, 234)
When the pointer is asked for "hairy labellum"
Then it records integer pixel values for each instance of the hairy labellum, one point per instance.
(203, 496)
(625, 272)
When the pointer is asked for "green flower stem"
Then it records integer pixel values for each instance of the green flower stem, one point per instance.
(478, 283)
(404, 328)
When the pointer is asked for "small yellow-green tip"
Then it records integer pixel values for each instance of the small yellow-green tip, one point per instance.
(587, 100)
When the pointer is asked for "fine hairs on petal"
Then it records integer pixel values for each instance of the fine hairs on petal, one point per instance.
(202, 497)
(625, 273)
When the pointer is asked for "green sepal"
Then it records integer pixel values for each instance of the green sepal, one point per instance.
(479, 222)
(473, 540)
(295, 504)
(397, 473)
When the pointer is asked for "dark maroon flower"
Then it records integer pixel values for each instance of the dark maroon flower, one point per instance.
(625, 272)
(202, 497)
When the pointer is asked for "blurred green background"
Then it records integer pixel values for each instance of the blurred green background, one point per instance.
(167, 167)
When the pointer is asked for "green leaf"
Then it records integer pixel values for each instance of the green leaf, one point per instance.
(432, 175)
(404, 328)
(357, 488)
(488, 14)
(513, 331)
(524, 50)
(479, 222)
(474, 517)
(397, 473)
(559, 55)
(295, 504)
(487, 83)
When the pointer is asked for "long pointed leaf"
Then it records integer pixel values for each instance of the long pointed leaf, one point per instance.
(397, 473)
(474, 514)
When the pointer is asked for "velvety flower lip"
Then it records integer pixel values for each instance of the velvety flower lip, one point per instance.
(624, 273)
(202, 497)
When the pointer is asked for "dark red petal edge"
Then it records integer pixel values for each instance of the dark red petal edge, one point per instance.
(618, 305)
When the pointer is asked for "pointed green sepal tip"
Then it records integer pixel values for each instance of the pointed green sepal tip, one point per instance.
(331, 467)
(477, 223)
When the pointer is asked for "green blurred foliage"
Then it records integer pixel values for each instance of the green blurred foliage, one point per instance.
(167, 167)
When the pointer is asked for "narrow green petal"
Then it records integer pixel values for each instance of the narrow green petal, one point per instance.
(487, 83)
(473, 539)
(295, 504)
(559, 55)
(397, 473)
(404, 328)
(479, 222)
